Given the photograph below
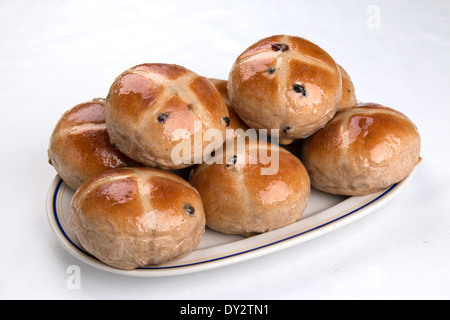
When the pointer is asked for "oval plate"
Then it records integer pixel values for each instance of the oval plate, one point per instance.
(324, 213)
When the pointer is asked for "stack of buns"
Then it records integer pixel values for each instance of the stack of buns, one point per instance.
(131, 208)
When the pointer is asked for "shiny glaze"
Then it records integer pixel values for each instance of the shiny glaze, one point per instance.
(206, 94)
(88, 112)
(249, 201)
(140, 95)
(289, 181)
(168, 71)
(80, 147)
(276, 191)
(143, 199)
(380, 135)
(168, 200)
(91, 152)
(152, 87)
(111, 200)
(362, 150)
(370, 132)
(263, 86)
(133, 95)
(132, 217)
(180, 116)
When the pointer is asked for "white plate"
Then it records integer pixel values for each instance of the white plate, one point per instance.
(323, 214)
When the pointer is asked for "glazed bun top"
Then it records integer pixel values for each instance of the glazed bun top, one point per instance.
(150, 108)
(133, 217)
(254, 189)
(266, 170)
(80, 147)
(362, 150)
(138, 200)
(287, 83)
(369, 131)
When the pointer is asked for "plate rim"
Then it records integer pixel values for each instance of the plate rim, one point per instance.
(380, 199)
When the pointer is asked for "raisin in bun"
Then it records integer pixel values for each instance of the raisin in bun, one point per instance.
(134, 217)
(151, 108)
(348, 99)
(287, 83)
(79, 145)
(235, 121)
(246, 195)
(362, 150)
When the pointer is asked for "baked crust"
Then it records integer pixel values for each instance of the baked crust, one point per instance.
(148, 103)
(362, 150)
(287, 83)
(239, 199)
(79, 145)
(133, 217)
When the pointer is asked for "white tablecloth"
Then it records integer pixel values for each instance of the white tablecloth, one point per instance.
(56, 54)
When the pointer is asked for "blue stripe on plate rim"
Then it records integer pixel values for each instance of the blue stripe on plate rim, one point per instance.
(61, 229)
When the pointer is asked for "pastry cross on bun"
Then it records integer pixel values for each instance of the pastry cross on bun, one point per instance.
(239, 199)
(79, 145)
(134, 217)
(363, 150)
(152, 107)
(287, 83)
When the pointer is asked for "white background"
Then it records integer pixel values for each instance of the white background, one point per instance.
(56, 54)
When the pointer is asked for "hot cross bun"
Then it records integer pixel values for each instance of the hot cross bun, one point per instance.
(151, 108)
(362, 150)
(79, 145)
(287, 83)
(246, 193)
(134, 217)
